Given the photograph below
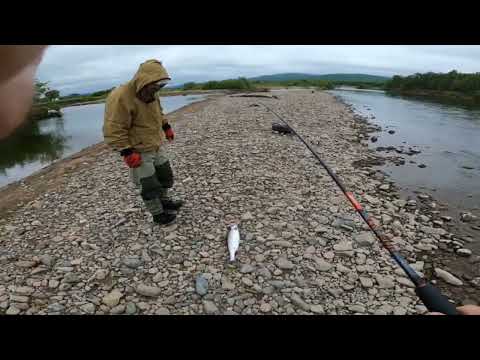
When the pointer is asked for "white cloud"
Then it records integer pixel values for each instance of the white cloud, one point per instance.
(84, 68)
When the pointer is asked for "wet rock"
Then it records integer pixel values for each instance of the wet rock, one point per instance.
(467, 217)
(464, 252)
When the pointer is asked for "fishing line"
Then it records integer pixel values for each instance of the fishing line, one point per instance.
(431, 296)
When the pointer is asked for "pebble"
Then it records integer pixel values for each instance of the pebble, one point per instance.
(209, 307)
(247, 216)
(246, 268)
(265, 273)
(12, 310)
(384, 282)
(112, 298)
(317, 309)
(464, 252)
(88, 308)
(357, 308)
(406, 282)
(162, 311)
(149, 291)
(366, 282)
(130, 309)
(364, 239)
(398, 310)
(265, 307)
(447, 277)
(201, 285)
(284, 264)
(297, 300)
(227, 284)
(322, 265)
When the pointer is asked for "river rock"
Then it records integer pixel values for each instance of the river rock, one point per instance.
(149, 291)
(201, 285)
(246, 268)
(297, 301)
(112, 298)
(366, 282)
(284, 264)
(209, 307)
(343, 248)
(384, 282)
(467, 217)
(365, 239)
(464, 252)
(265, 307)
(322, 265)
(447, 277)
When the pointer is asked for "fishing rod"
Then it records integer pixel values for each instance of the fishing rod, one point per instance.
(431, 296)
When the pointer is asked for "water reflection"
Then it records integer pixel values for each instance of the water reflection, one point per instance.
(40, 143)
(34, 143)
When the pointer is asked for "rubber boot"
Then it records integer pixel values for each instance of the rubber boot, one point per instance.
(169, 204)
(165, 218)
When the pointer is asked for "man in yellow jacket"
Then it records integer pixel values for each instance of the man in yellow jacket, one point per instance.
(133, 124)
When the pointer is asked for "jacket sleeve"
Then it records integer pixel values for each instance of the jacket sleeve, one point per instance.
(117, 123)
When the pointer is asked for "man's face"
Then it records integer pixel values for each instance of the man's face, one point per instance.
(147, 94)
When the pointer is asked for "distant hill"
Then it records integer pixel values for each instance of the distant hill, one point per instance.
(330, 77)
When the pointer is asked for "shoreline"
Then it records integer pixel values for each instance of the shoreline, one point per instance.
(428, 206)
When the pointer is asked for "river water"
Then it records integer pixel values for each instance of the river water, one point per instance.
(448, 137)
(38, 144)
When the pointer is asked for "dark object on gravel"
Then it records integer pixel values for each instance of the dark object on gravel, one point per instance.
(422, 166)
(253, 105)
(391, 132)
(373, 139)
(283, 129)
(256, 96)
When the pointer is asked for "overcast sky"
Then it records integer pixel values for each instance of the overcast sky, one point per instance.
(86, 68)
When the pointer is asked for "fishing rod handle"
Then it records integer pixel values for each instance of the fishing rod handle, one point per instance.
(434, 300)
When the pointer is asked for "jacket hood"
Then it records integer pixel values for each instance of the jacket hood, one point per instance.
(150, 71)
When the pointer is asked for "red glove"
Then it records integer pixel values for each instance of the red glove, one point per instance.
(131, 158)
(168, 132)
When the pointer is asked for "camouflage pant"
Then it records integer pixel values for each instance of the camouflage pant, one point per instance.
(154, 177)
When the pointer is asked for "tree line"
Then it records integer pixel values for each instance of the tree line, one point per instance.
(452, 81)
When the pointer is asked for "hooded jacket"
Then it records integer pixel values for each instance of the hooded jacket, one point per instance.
(130, 122)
